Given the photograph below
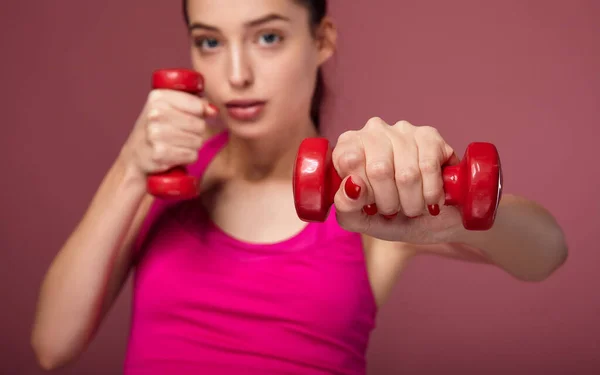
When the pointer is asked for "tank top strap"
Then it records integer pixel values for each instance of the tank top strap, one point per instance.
(205, 155)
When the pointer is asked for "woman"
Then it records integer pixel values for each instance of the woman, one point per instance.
(233, 281)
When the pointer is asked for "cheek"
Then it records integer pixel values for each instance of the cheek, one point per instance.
(291, 79)
(211, 70)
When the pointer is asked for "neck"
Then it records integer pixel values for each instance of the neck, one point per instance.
(270, 157)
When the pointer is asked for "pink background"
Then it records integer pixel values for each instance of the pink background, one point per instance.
(522, 74)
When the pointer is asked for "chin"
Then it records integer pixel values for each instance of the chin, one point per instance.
(252, 130)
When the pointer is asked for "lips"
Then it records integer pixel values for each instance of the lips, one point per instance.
(245, 110)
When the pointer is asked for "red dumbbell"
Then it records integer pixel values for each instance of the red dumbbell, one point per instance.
(474, 185)
(175, 183)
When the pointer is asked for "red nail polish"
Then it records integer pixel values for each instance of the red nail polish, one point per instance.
(434, 209)
(370, 209)
(390, 217)
(352, 189)
(214, 108)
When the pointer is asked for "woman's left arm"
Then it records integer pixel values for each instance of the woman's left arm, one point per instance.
(525, 240)
(392, 172)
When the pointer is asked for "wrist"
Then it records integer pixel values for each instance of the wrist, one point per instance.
(454, 234)
(132, 178)
(448, 227)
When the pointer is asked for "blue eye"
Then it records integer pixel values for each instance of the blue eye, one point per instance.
(207, 43)
(270, 38)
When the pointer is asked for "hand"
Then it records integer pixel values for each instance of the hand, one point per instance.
(168, 132)
(392, 173)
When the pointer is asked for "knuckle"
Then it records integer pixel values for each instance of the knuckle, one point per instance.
(346, 153)
(374, 123)
(380, 170)
(403, 125)
(346, 136)
(154, 131)
(426, 129)
(155, 96)
(159, 152)
(428, 133)
(428, 166)
(350, 160)
(337, 152)
(155, 113)
(407, 175)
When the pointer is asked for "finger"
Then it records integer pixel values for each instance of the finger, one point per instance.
(408, 175)
(164, 156)
(350, 197)
(173, 136)
(351, 217)
(162, 116)
(448, 159)
(379, 169)
(451, 157)
(182, 101)
(349, 202)
(348, 159)
(431, 157)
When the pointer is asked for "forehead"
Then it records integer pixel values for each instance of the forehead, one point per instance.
(234, 13)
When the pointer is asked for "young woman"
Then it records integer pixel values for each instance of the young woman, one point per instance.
(233, 281)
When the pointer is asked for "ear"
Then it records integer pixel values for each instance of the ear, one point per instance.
(326, 39)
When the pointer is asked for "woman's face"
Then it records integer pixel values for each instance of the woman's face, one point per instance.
(259, 59)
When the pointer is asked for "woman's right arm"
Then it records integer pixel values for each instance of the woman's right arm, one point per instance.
(88, 272)
(90, 269)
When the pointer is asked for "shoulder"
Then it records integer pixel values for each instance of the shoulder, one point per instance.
(155, 210)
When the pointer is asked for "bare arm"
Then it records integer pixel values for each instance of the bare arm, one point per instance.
(525, 241)
(397, 169)
(385, 262)
(89, 271)
(87, 274)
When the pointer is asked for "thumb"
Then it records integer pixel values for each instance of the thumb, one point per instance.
(349, 201)
(450, 156)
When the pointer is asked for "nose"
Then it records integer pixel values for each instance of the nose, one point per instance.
(240, 69)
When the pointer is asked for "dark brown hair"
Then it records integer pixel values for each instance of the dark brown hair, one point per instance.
(317, 11)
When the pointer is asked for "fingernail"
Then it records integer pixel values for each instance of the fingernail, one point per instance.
(434, 209)
(413, 217)
(390, 217)
(351, 189)
(213, 109)
(370, 209)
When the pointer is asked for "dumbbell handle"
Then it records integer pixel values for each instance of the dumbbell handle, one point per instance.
(474, 185)
(175, 183)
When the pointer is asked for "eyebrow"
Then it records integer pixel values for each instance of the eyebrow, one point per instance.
(253, 23)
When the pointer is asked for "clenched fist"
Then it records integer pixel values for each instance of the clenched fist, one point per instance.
(168, 133)
(394, 183)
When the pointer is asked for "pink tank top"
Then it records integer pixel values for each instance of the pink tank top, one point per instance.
(207, 303)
